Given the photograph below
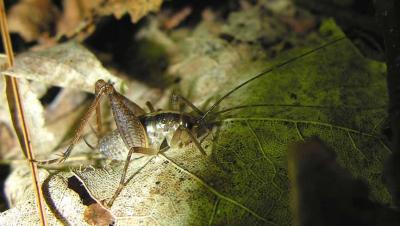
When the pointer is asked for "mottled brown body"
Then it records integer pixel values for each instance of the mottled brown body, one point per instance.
(141, 132)
(160, 128)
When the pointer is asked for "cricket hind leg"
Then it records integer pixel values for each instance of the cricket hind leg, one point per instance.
(134, 136)
(123, 181)
(132, 133)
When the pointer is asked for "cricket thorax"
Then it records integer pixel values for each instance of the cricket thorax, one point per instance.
(162, 125)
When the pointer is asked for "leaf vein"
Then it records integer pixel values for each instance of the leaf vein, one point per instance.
(214, 211)
(353, 143)
(215, 192)
(265, 156)
(302, 121)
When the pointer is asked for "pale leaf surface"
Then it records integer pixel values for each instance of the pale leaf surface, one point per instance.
(43, 140)
(67, 65)
(63, 204)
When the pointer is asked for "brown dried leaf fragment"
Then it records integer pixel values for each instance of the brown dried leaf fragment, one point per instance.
(177, 18)
(37, 19)
(96, 214)
(77, 18)
(136, 8)
(80, 16)
(33, 19)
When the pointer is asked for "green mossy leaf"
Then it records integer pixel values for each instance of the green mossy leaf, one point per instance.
(334, 93)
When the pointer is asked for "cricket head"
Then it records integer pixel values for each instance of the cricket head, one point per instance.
(103, 86)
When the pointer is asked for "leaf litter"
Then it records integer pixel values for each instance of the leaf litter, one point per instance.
(42, 21)
(243, 179)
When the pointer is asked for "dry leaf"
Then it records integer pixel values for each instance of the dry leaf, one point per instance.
(36, 19)
(63, 204)
(34, 115)
(95, 214)
(65, 103)
(7, 139)
(80, 16)
(160, 191)
(76, 16)
(18, 186)
(67, 65)
(32, 19)
(135, 8)
(177, 18)
(42, 139)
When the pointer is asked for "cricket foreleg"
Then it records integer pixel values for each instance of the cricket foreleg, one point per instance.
(203, 137)
(150, 106)
(78, 132)
(99, 131)
(183, 134)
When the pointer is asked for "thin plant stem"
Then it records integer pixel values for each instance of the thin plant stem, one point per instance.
(17, 115)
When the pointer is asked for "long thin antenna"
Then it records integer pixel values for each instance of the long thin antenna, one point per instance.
(266, 71)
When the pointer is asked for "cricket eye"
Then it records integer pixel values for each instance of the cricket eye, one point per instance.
(99, 84)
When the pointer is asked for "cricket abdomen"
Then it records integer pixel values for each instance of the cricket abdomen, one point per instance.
(158, 126)
(162, 125)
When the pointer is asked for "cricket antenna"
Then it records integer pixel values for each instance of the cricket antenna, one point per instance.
(266, 71)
